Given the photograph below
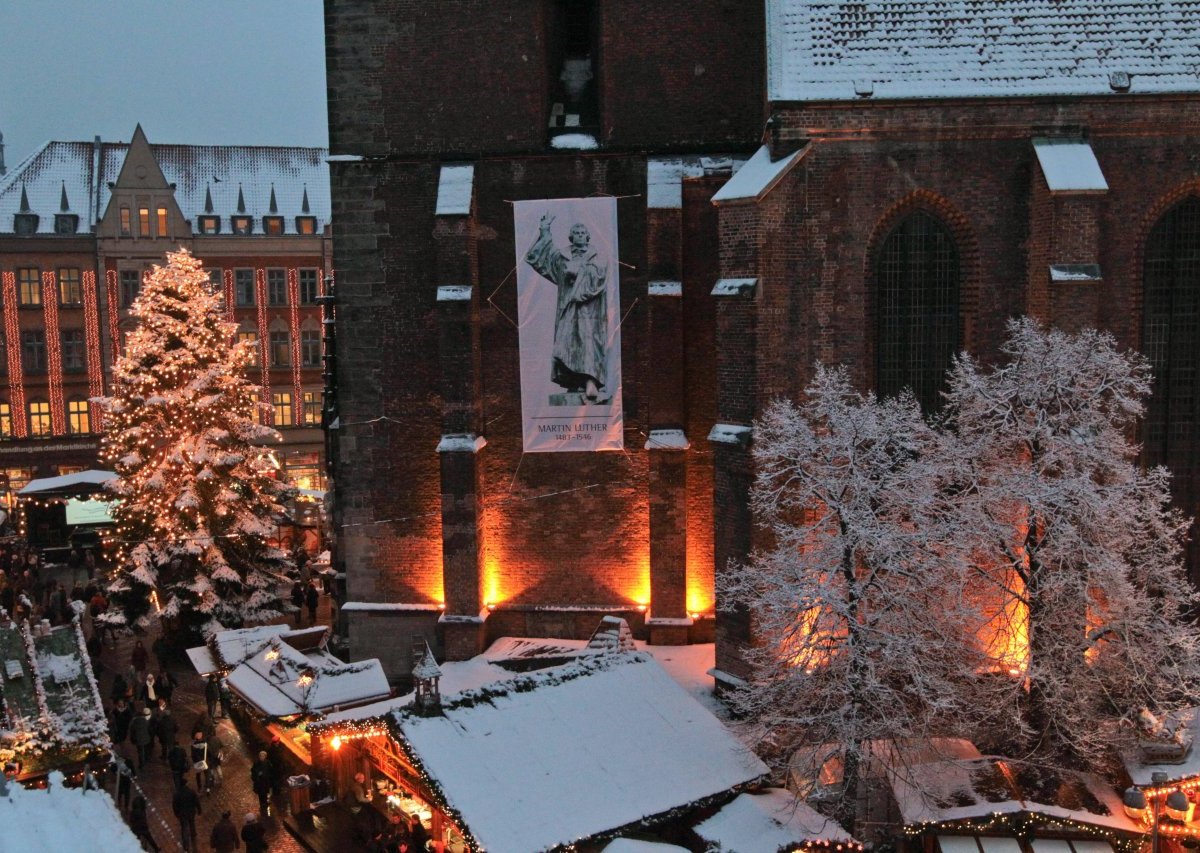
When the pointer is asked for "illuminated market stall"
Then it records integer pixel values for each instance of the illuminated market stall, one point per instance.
(66, 510)
(1164, 770)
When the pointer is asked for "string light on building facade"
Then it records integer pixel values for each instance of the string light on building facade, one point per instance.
(91, 332)
(12, 332)
(58, 424)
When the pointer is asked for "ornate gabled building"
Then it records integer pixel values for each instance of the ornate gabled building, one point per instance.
(82, 222)
(875, 184)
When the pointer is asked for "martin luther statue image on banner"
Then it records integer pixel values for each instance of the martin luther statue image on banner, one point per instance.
(580, 354)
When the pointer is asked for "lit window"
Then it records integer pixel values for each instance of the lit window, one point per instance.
(276, 287)
(79, 416)
(126, 222)
(242, 224)
(306, 225)
(131, 286)
(312, 408)
(144, 221)
(273, 225)
(33, 350)
(73, 360)
(310, 347)
(210, 225)
(39, 417)
(308, 287)
(243, 284)
(5, 419)
(281, 349)
(162, 222)
(281, 402)
(69, 291)
(252, 339)
(256, 408)
(29, 286)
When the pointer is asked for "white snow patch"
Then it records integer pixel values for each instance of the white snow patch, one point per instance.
(733, 286)
(454, 293)
(455, 183)
(668, 439)
(38, 820)
(730, 434)
(575, 141)
(758, 176)
(1069, 165)
(388, 607)
(664, 288)
(67, 481)
(634, 845)
(467, 442)
(768, 820)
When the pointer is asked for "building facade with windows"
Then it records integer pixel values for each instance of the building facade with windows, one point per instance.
(879, 187)
(80, 225)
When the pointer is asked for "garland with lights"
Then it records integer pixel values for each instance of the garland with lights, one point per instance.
(198, 499)
(1026, 825)
(114, 333)
(54, 374)
(293, 283)
(265, 411)
(91, 333)
(12, 332)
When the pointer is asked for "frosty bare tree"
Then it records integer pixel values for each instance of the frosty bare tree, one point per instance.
(1080, 539)
(863, 642)
(197, 501)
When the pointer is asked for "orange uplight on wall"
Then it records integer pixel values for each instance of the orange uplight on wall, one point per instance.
(1005, 636)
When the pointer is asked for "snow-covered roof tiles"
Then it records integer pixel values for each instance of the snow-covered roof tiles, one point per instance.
(195, 170)
(768, 820)
(614, 723)
(819, 50)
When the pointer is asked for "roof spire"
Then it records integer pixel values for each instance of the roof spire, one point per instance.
(25, 208)
(303, 203)
(274, 208)
(241, 199)
(63, 204)
(3, 169)
(208, 205)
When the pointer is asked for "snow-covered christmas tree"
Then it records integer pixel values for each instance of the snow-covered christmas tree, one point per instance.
(197, 499)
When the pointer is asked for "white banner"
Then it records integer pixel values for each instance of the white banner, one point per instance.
(568, 309)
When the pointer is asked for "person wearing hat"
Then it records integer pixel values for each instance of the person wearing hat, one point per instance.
(141, 735)
(254, 834)
(224, 836)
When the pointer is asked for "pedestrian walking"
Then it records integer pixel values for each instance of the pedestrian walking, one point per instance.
(312, 598)
(254, 834)
(165, 684)
(178, 761)
(122, 717)
(216, 757)
(186, 806)
(226, 696)
(142, 737)
(224, 836)
(140, 825)
(262, 780)
(140, 659)
(298, 602)
(168, 729)
(161, 652)
(212, 695)
(148, 692)
(204, 723)
(125, 774)
(200, 763)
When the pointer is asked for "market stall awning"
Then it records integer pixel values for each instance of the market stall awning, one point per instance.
(79, 483)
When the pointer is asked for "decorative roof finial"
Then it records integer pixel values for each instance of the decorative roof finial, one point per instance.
(208, 205)
(241, 199)
(304, 202)
(64, 205)
(274, 208)
(25, 208)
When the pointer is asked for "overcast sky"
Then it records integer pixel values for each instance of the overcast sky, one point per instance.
(210, 72)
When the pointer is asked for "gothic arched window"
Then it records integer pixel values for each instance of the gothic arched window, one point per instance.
(916, 296)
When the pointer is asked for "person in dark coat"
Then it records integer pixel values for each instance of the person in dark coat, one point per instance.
(254, 834)
(298, 601)
(168, 729)
(212, 695)
(224, 836)
(204, 723)
(125, 774)
(311, 599)
(140, 825)
(216, 755)
(201, 763)
(262, 780)
(161, 652)
(186, 806)
(178, 761)
(119, 687)
(140, 658)
(122, 716)
(165, 684)
(142, 737)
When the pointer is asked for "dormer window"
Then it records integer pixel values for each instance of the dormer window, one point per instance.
(306, 225)
(273, 225)
(66, 223)
(210, 225)
(574, 105)
(242, 224)
(25, 224)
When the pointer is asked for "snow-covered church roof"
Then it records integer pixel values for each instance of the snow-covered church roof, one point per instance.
(830, 50)
(81, 173)
(580, 750)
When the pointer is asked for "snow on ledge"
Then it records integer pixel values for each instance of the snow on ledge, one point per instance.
(665, 288)
(734, 286)
(461, 442)
(575, 141)
(1075, 272)
(667, 439)
(345, 158)
(454, 293)
(1069, 166)
(730, 434)
(758, 177)
(455, 185)
(459, 619)
(388, 607)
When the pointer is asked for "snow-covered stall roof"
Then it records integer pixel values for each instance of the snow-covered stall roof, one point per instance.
(946, 791)
(230, 648)
(197, 171)
(830, 50)
(615, 723)
(54, 818)
(51, 714)
(768, 820)
(636, 845)
(280, 681)
(80, 482)
(1141, 771)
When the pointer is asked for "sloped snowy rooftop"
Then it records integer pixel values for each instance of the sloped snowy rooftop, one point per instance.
(82, 480)
(757, 177)
(819, 50)
(768, 820)
(61, 818)
(195, 170)
(552, 740)
(1141, 772)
